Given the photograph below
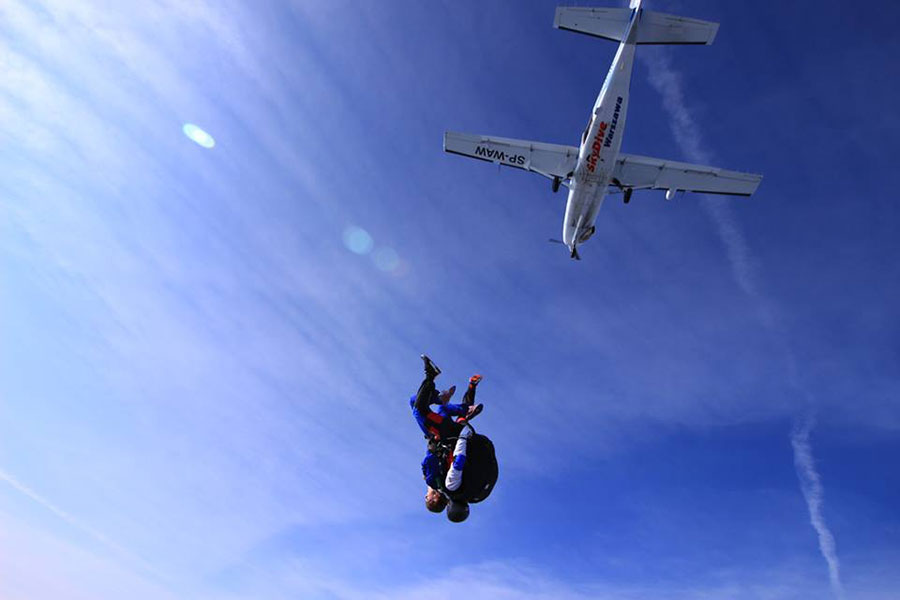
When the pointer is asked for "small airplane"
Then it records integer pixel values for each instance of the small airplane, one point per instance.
(596, 167)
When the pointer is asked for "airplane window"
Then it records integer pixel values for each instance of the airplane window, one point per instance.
(586, 130)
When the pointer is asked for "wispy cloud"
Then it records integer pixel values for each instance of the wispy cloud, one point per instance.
(811, 485)
(123, 553)
(215, 322)
(508, 579)
(667, 81)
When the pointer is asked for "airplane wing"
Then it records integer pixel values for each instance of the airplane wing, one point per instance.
(642, 172)
(549, 160)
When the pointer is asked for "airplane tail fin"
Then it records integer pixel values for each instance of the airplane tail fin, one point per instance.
(652, 27)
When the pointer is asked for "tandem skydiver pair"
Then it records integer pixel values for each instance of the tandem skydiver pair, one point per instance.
(460, 466)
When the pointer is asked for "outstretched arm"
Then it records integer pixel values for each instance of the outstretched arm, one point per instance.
(455, 474)
(461, 410)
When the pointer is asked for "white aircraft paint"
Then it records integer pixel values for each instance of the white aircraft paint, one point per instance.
(589, 170)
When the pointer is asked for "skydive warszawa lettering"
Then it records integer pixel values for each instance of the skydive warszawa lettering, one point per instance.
(614, 122)
(595, 148)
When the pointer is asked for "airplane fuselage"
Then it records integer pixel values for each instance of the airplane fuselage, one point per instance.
(600, 145)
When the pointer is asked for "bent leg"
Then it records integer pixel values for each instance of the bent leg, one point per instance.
(431, 422)
(424, 395)
(469, 396)
(462, 411)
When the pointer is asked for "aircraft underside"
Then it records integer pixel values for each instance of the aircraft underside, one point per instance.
(596, 166)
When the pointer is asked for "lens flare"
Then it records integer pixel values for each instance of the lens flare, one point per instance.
(358, 240)
(386, 259)
(198, 135)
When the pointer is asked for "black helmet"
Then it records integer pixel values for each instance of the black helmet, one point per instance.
(458, 511)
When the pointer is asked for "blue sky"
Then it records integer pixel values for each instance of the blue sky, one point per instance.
(203, 389)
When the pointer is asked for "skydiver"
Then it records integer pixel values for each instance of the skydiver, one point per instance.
(439, 425)
(471, 473)
(442, 493)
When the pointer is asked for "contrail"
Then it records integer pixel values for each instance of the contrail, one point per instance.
(811, 485)
(111, 545)
(667, 82)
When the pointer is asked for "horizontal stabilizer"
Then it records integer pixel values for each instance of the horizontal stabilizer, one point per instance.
(606, 23)
(660, 28)
(643, 172)
(549, 160)
(652, 27)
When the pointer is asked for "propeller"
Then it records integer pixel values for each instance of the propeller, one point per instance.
(574, 248)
